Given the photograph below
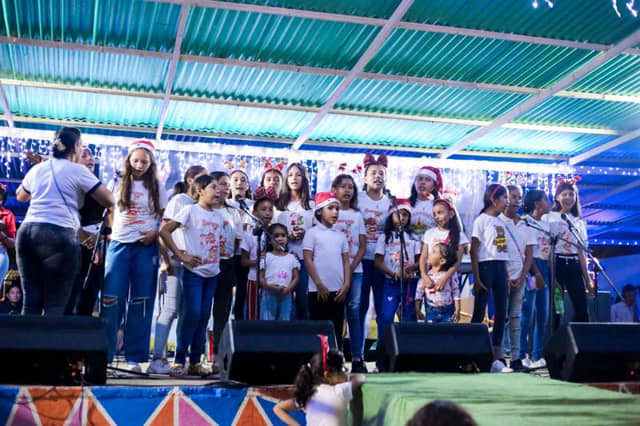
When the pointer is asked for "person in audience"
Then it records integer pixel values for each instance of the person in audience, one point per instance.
(351, 223)
(627, 309)
(441, 413)
(322, 390)
(202, 227)
(489, 256)
(241, 194)
(296, 213)
(326, 255)
(132, 256)
(47, 245)
(442, 305)
(7, 232)
(12, 303)
(279, 274)
(426, 188)
(170, 290)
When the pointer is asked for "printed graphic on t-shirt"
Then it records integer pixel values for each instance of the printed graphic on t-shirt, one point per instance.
(226, 229)
(543, 243)
(500, 241)
(422, 221)
(209, 241)
(345, 225)
(130, 217)
(283, 275)
(371, 223)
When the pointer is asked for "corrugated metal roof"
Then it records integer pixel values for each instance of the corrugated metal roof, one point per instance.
(620, 76)
(473, 59)
(373, 9)
(629, 150)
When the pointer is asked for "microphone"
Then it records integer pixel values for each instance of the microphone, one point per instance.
(566, 219)
(117, 173)
(238, 198)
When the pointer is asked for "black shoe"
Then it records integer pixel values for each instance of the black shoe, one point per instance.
(358, 367)
(516, 365)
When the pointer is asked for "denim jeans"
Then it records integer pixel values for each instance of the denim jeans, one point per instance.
(390, 301)
(409, 303)
(536, 303)
(372, 280)
(48, 259)
(493, 275)
(272, 307)
(439, 314)
(197, 296)
(169, 309)
(130, 279)
(300, 310)
(353, 315)
(512, 333)
(222, 299)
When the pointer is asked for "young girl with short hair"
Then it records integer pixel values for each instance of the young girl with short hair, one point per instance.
(278, 276)
(442, 305)
(202, 227)
(489, 256)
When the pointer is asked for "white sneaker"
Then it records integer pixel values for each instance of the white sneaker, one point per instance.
(498, 367)
(159, 366)
(541, 363)
(526, 361)
(134, 367)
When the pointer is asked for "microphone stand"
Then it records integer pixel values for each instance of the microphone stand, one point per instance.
(403, 253)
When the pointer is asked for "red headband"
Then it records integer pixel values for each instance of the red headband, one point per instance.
(445, 201)
(324, 341)
(570, 181)
(493, 193)
(369, 160)
(262, 193)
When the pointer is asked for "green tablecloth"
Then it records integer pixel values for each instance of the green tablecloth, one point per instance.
(497, 399)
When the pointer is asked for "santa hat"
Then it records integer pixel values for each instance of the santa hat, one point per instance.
(402, 203)
(325, 198)
(433, 173)
(143, 144)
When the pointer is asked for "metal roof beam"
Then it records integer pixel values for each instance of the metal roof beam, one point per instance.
(5, 106)
(368, 54)
(175, 57)
(318, 70)
(531, 103)
(618, 190)
(415, 26)
(604, 147)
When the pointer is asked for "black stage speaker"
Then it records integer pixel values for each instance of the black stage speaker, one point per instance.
(52, 350)
(594, 352)
(437, 347)
(269, 352)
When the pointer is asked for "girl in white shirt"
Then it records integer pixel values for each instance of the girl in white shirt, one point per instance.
(296, 214)
(570, 261)
(278, 276)
(322, 390)
(132, 256)
(489, 256)
(426, 188)
(202, 227)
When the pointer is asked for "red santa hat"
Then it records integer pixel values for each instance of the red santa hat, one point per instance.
(403, 204)
(143, 144)
(325, 198)
(433, 173)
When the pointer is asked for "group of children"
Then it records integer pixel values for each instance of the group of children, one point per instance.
(293, 257)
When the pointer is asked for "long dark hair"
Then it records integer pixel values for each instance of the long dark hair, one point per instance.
(453, 225)
(312, 374)
(389, 227)
(492, 192)
(337, 181)
(576, 210)
(285, 193)
(531, 198)
(200, 183)
(413, 198)
(448, 252)
(182, 187)
(64, 142)
(271, 230)
(149, 181)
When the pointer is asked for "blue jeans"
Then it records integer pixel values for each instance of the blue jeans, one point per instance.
(301, 309)
(493, 275)
(372, 280)
(353, 316)
(409, 304)
(48, 260)
(535, 302)
(390, 301)
(130, 281)
(168, 310)
(197, 298)
(438, 314)
(272, 307)
(4, 262)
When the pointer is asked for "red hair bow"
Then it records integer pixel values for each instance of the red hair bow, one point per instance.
(324, 341)
(369, 160)
(569, 181)
(262, 193)
(268, 165)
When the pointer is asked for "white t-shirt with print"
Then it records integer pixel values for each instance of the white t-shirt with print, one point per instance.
(491, 233)
(328, 405)
(249, 244)
(231, 231)
(327, 245)
(422, 217)
(374, 214)
(560, 227)
(278, 270)
(444, 297)
(47, 205)
(245, 219)
(351, 224)
(435, 235)
(523, 238)
(175, 204)
(296, 217)
(391, 251)
(202, 229)
(542, 248)
(130, 225)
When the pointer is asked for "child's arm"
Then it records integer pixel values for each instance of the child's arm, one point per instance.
(528, 261)
(344, 290)
(362, 247)
(449, 273)
(295, 277)
(418, 299)
(246, 261)
(323, 292)
(422, 263)
(475, 266)
(282, 410)
(165, 233)
(379, 264)
(456, 313)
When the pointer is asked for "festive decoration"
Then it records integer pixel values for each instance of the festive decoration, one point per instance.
(369, 160)
(630, 5)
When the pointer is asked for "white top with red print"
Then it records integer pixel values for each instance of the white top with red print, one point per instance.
(490, 231)
(202, 230)
(543, 243)
(444, 297)
(351, 223)
(566, 241)
(278, 270)
(391, 250)
(130, 225)
(374, 214)
(422, 218)
(295, 218)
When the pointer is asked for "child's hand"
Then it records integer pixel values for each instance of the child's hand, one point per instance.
(323, 292)
(540, 284)
(440, 284)
(456, 316)
(342, 294)
(166, 268)
(191, 261)
(408, 271)
(478, 286)
(148, 238)
(420, 315)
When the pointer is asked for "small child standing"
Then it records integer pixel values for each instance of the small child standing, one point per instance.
(279, 275)
(442, 305)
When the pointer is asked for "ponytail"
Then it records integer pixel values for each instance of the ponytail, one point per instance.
(312, 374)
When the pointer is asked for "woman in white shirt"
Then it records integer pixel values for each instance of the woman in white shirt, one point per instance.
(48, 250)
